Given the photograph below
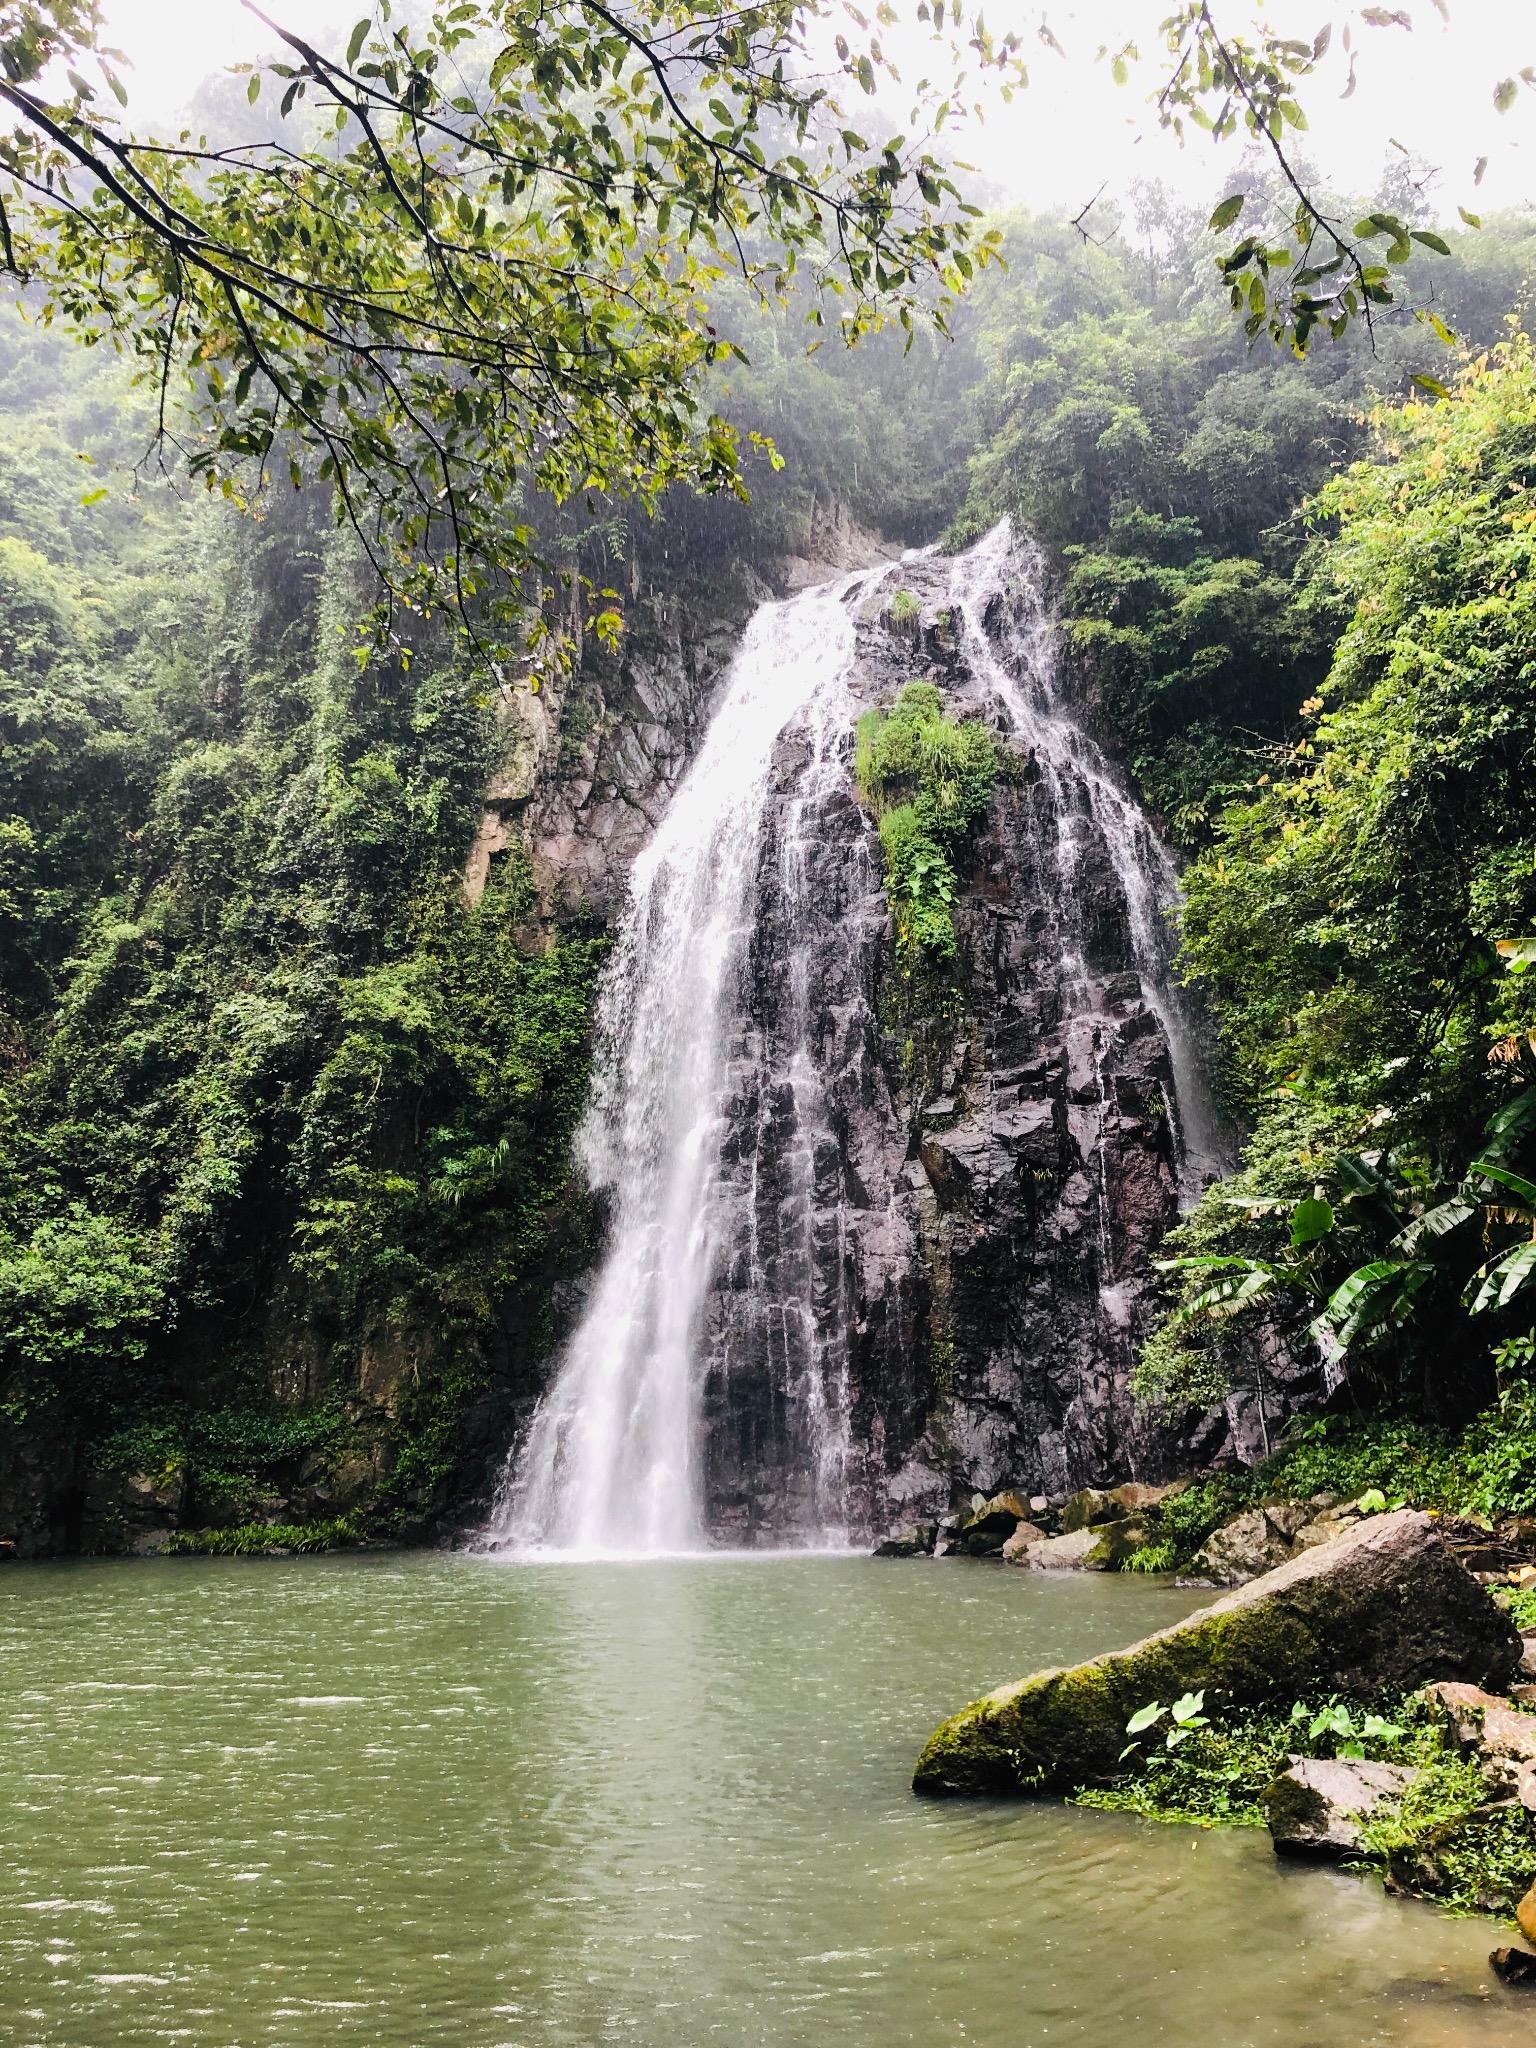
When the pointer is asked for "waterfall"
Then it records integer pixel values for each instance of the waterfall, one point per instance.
(612, 1461)
(792, 1236)
(1004, 574)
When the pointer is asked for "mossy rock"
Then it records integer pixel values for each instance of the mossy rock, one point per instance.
(1388, 1605)
(1118, 1543)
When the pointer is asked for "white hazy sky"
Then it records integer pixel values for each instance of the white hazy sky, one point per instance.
(1431, 90)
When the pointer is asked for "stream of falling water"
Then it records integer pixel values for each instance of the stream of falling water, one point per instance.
(1022, 664)
(610, 1465)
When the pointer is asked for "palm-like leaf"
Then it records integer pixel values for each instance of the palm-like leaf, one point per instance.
(1213, 1262)
(1373, 1297)
(1366, 1186)
(1496, 1284)
(1488, 1169)
(1227, 1296)
(1513, 1122)
(1439, 1221)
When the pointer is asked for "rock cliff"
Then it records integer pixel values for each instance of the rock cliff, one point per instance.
(946, 1218)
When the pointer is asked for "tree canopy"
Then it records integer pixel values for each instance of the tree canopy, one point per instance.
(469, 265)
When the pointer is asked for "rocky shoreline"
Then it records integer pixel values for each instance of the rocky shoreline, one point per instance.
(1367, 1699)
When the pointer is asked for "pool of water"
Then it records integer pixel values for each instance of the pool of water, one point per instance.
(408, 1800)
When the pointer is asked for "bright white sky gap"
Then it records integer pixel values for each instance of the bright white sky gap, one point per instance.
(1073, 130)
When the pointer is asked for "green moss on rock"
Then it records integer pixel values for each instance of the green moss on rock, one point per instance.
(1387, 1605)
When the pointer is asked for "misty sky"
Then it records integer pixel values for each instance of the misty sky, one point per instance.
(1431, 90)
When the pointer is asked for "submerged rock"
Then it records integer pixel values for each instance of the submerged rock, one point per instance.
(1317, 1806)
(1387, 1605)
(1514, 1966)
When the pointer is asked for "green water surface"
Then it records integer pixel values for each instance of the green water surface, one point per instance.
(409, 1800)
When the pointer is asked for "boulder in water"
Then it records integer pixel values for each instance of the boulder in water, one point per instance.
(1525, 1914)
(1088, 1505)
(1024, 1538)
(1069, 1553)
(989, 1525)
(1387, 1605)
(1135, 1497)
(914, 1542)
(1514, 1966)
(1317, 1806)
(1118, 1543)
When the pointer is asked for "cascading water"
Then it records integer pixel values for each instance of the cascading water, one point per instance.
(839, 1285)
(1005, 574)
(612, 1462)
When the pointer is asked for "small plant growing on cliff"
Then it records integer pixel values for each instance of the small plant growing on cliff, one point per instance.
(929, 780)
(904, 608)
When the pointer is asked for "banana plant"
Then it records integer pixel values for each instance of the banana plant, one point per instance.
(1241, 1279)
(1422, 1237)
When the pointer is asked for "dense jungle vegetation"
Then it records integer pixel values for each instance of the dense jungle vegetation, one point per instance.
(286, 1196)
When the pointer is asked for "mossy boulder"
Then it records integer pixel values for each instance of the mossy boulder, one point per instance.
(1318, 1806)
(1251, 1543)
(1119, 1542)
(1088, 1506)
(990, 1524)
(1385, 1606)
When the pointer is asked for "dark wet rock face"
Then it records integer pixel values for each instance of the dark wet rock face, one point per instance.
(931, 1234)
(957, 1244)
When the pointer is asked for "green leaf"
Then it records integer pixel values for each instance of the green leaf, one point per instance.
(1430, 384)
(1516, 1183)
(866, 72)
(1511, 1123)
(1439, 1221)
(1505, 93)
(1373, 1297)
(94, 497)
(253, 87)
(358, 38)
(1496, 1284)
(1144, 1718)
(1310, 1220)
(1228, 211)
(1429, 240)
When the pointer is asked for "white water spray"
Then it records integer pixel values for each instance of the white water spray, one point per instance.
(1003, 566)
(611, 1462)
(703, 1078)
